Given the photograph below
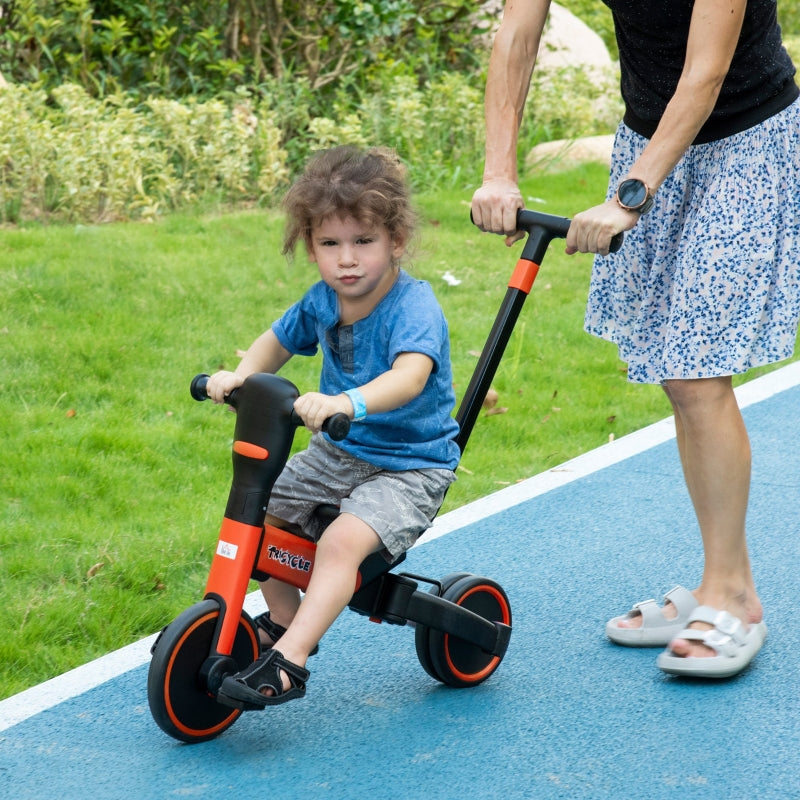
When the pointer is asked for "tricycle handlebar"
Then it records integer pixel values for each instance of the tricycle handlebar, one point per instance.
(337, 426)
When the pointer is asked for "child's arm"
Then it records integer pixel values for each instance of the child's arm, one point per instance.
(394, 388)
(266, 354)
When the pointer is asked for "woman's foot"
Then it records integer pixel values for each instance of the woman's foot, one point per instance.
(715, 644)
(746, 608)
(649, 625)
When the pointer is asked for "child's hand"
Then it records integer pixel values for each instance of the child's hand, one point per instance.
(314, 408)
(221, 384)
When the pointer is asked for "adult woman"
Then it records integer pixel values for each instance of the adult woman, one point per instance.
(704, 175)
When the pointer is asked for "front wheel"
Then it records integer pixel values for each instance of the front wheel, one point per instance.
(452, 660)
(179, 699)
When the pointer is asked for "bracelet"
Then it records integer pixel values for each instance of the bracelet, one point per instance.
(359, 403)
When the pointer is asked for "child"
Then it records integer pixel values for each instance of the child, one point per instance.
(386, 364)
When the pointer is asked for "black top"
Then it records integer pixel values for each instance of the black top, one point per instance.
(652, 39)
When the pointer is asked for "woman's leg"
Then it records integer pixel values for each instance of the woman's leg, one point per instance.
(715, 454)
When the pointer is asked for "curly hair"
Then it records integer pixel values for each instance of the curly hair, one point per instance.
(367, 185)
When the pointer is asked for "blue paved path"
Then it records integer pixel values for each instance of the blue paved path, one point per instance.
(567, 715)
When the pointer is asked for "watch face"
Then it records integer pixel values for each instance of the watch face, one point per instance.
(632, 193)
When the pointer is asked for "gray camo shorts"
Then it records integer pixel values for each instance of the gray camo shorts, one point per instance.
(398, 506)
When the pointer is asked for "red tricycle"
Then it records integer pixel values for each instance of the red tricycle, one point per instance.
(462, 623)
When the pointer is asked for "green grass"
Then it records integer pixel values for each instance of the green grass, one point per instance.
(114, 481)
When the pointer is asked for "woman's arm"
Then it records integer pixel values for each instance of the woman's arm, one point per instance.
(713, 34)
(516, 44)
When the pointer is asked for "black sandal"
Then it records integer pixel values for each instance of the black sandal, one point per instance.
(243, 690)
(274, 631)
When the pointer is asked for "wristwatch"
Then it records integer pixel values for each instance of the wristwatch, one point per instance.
(635, 195)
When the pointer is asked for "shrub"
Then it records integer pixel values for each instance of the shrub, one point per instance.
(82, 159)
(217, 149)
(75, 158)
(66, 154)
(437, 129)
(71, 157)
(569, 102)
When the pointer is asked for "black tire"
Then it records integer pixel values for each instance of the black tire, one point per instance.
(460, 663)
(422, 633)
(179, 702)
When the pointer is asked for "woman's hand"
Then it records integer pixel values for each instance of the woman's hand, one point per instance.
(495, 206)
(591, 231)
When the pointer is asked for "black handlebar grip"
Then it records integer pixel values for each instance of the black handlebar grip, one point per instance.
(199, 393)
(198, 387)
(337, 426)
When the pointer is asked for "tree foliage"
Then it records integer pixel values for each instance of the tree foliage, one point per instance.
(174, 48)
(126, 109)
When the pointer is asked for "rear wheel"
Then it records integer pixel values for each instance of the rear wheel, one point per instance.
(452, 660)
(177, 690)
(422, 633)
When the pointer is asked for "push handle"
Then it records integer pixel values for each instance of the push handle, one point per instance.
(337, 426)
(543, 228)
(558, 226)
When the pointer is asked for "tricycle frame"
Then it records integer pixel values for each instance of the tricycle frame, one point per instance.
(462, 623)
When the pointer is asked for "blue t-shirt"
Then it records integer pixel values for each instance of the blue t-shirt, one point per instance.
(408, 319)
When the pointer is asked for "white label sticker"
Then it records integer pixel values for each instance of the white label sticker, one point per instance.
(227, 550)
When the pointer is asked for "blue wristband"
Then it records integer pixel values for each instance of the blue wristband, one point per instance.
(359, 403)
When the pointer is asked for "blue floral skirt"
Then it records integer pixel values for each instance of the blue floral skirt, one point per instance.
(708, 282)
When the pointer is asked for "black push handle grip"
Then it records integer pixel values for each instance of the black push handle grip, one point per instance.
(552, 225)
(337, 426)
(557, 226)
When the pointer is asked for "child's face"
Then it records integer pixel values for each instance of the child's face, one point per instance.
(356, 259)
